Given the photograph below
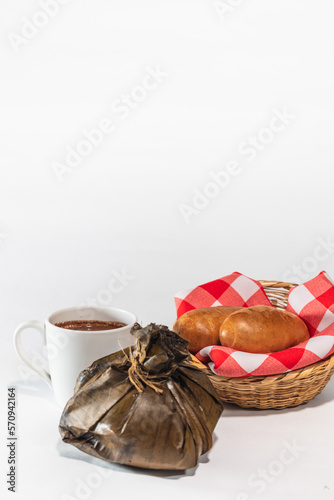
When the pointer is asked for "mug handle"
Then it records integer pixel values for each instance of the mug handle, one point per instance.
(23, 355)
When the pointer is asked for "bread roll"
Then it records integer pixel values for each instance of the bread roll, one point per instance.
(201, 326)
(262, 329)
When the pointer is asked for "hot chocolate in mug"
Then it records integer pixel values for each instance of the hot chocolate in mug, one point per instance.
(69, 351)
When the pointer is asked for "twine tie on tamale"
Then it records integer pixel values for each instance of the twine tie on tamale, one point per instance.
(140, 377)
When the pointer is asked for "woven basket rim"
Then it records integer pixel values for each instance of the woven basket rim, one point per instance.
(277, 284)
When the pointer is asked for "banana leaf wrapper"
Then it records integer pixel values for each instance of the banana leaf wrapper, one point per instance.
(148, 406)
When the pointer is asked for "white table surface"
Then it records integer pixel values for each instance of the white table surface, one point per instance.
(247, 444)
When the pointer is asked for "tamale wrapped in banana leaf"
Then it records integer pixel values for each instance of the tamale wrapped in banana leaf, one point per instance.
(149, 406)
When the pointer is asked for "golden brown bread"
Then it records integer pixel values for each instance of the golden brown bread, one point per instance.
(262, 329)
(201, 326)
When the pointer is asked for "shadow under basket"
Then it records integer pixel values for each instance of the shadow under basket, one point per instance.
(275, 391)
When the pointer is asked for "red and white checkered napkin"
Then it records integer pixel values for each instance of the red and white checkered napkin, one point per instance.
(233, 290)
(312, 301)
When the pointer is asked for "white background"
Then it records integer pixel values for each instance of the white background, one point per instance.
(227, 71)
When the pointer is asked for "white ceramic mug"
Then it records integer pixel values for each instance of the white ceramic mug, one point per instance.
(68, 352)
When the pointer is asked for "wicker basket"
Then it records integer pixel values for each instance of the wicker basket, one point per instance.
(275, 391)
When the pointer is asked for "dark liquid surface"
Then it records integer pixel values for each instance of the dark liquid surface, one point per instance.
(90, 325)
